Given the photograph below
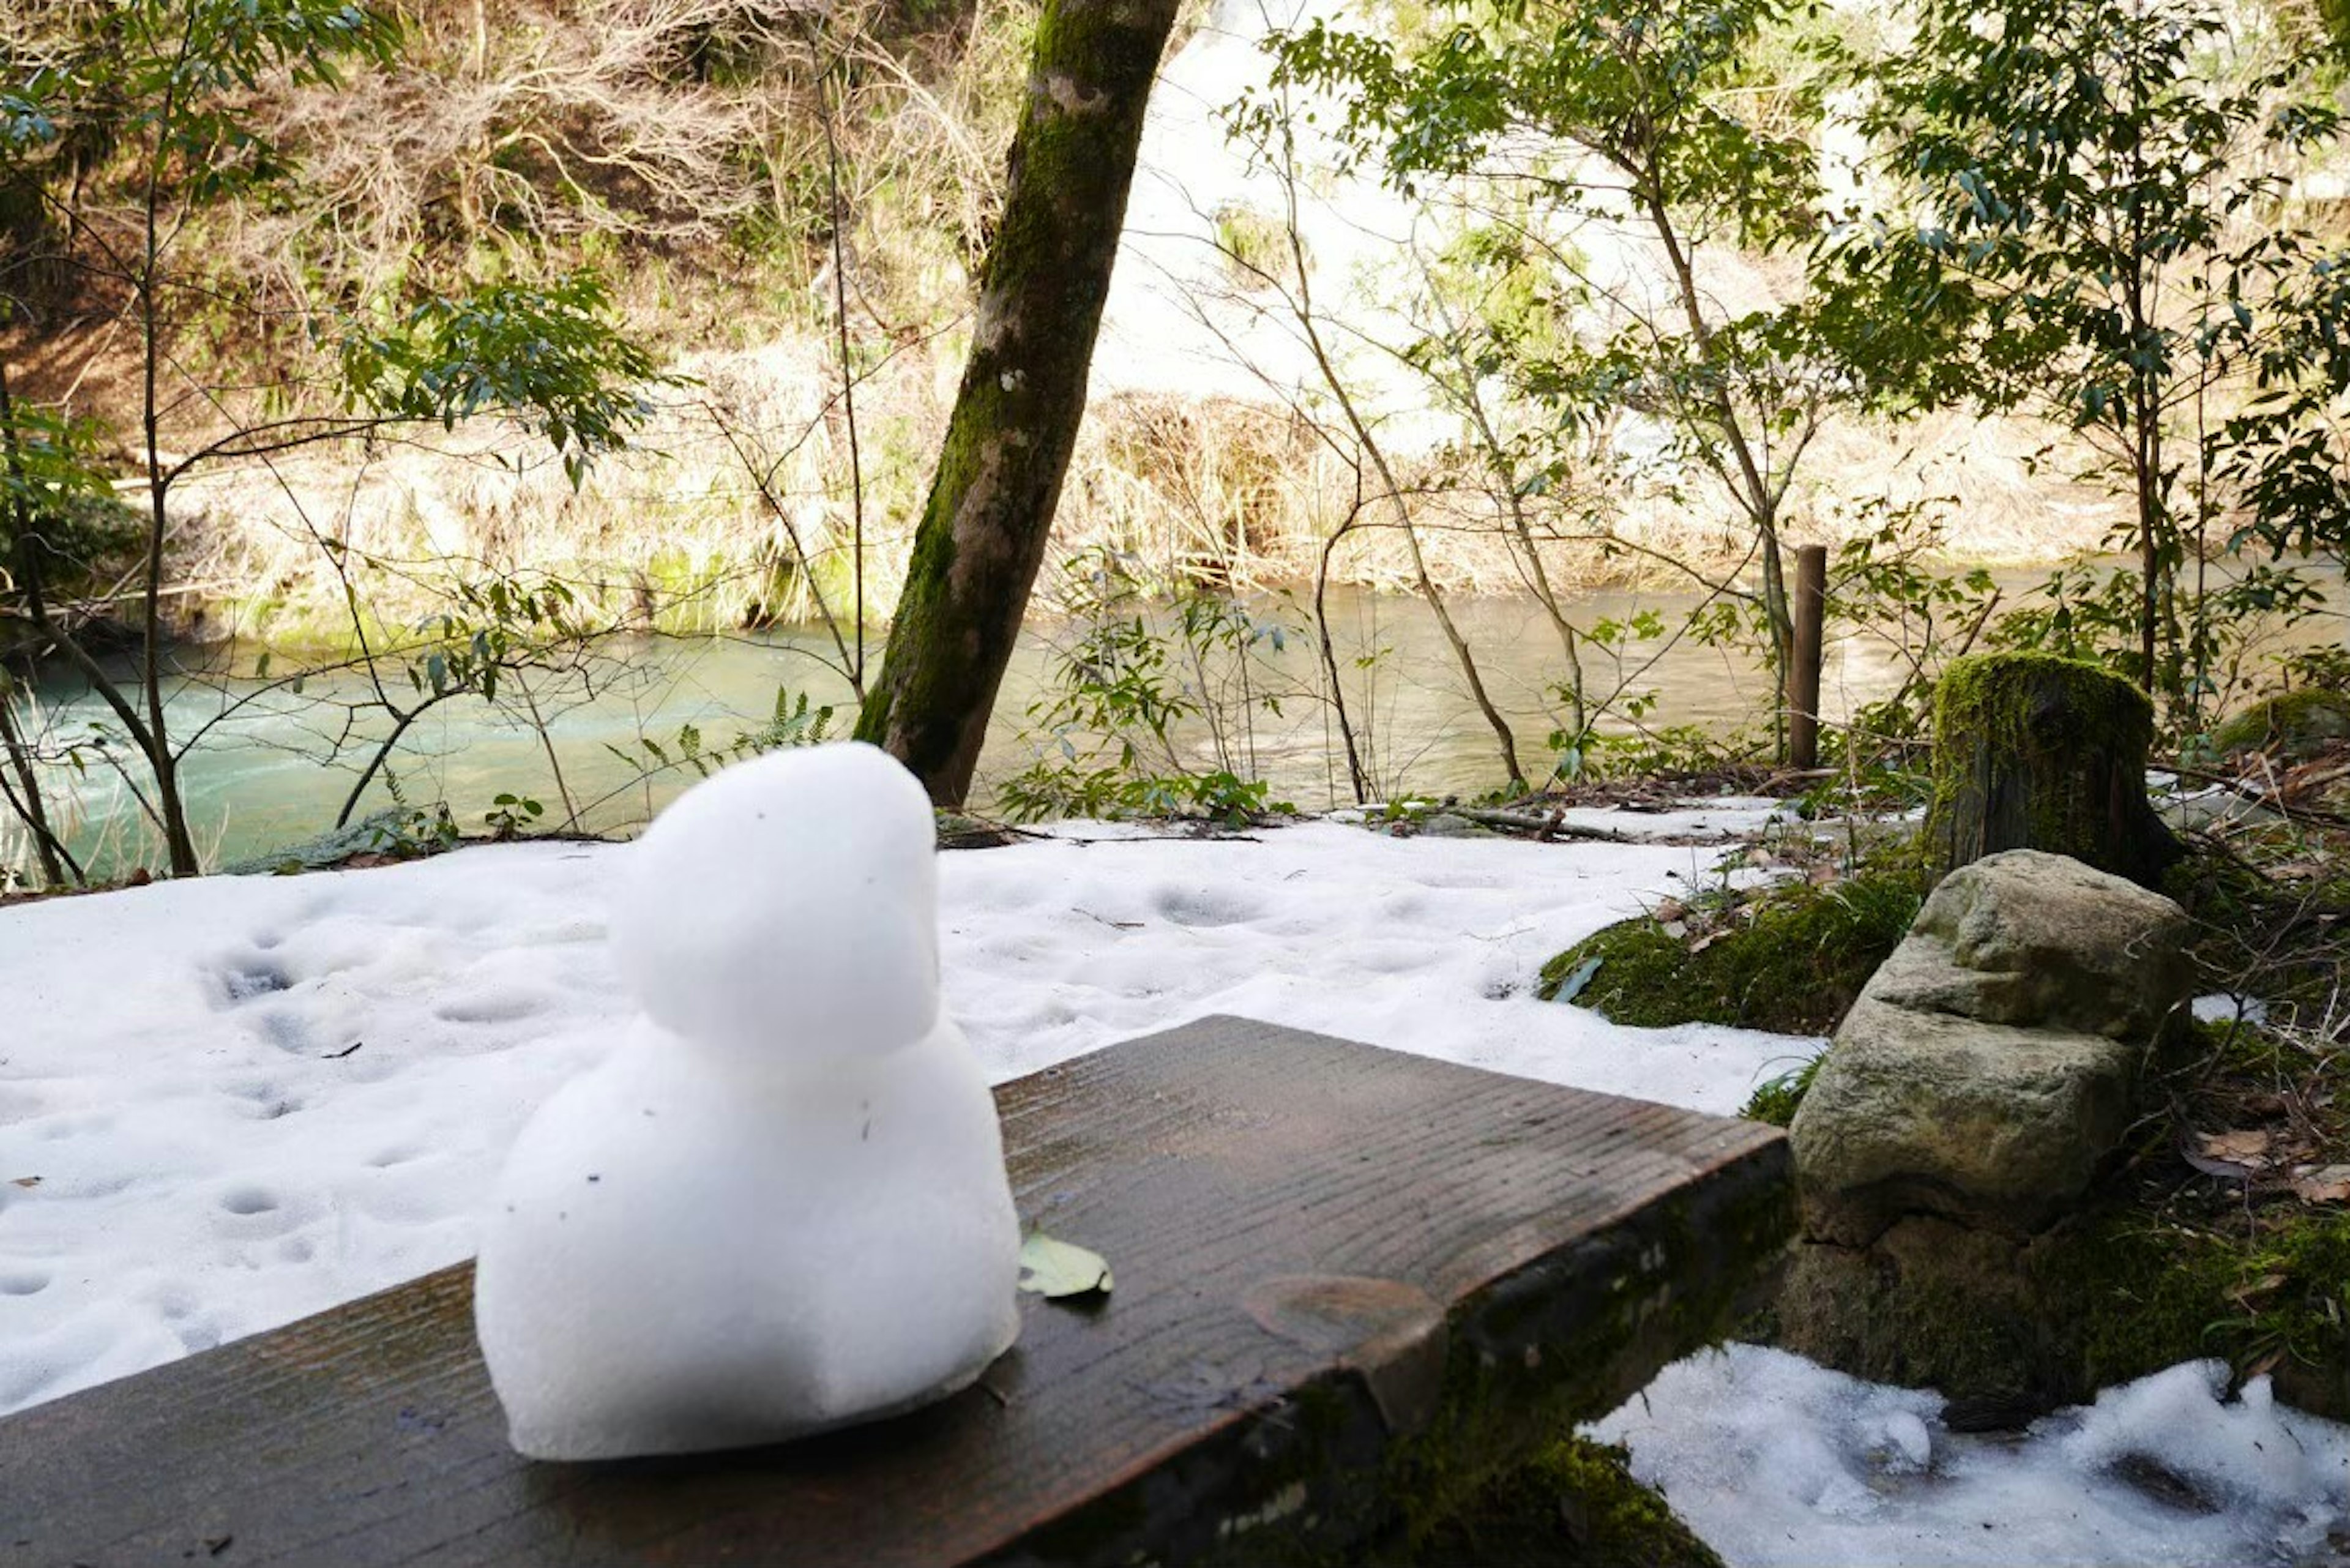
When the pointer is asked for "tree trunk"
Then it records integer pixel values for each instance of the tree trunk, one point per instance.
(2033, 751)
(983, 534)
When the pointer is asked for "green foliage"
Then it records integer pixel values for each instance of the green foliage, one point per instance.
(548, 353)
(1644, 752)
(2040, 253)
(178, 79)
(403, 831)
(1120, 688)
(492, 627)
(792, 723)
(509, 813)
(1638, 83)
(1650, 112)
(2095, 614)
(2288, 446)
(1776, 1100)
(174, 100)
(61, 529)
(1791, 959)
(2154, 1290)
(1583, 749)
(407, 831)
(2090, 232)
(1886, 583)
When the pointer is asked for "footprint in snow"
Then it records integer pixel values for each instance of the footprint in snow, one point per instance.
(253, 1213)
(1198, 906)
(242, 978)
(267, 1100)
(493, 1007)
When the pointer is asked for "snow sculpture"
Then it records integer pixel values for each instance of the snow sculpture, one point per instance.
(780, 1205)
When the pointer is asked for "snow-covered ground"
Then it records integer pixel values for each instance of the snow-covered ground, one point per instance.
(225, 1103)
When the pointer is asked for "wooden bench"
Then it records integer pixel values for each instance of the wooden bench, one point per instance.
(1347, 1280)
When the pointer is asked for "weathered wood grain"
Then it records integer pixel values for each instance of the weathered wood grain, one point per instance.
(1342, 1274)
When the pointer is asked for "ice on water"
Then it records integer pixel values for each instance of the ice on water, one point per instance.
(780, 1205)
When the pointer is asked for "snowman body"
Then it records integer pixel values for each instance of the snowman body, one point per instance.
(780, 1205)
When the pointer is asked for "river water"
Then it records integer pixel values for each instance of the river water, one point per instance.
(265, 775)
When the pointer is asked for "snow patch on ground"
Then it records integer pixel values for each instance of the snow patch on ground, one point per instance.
(1775, 1461)
(239, 1100)
(225, 1103)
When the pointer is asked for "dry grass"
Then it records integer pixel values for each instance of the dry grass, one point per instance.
(734, 507)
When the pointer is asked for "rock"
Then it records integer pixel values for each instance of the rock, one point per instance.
(1990, 1065)
(1933, 1304)
(1922, 1113)
(2042, 941)
(2296, 723)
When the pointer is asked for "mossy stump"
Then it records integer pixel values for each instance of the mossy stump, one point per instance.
(2033, 751)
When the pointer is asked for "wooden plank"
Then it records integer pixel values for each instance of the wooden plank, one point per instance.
(1339, 1270)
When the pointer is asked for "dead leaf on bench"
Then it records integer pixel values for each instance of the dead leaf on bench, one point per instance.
(2322, 1184)
(1058, 1271)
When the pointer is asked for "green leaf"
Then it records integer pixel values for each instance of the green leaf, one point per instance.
(1055, 1269)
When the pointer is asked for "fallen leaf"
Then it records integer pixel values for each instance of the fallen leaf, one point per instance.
(2322, 1184)
(1580, 976)
(2251, 1291)
(2225, 1169)
(2249, 1146)
(1055, 1269)
(1671, 909)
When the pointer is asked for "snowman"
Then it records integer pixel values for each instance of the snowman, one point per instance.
(780, 1205)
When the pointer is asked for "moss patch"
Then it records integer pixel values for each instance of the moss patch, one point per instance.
(1574, 1501)
(2296, 723)
(1791, 959)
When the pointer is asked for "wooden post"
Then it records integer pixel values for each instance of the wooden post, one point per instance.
(1803, 691)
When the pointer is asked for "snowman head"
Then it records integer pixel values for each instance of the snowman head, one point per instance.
(784, 910)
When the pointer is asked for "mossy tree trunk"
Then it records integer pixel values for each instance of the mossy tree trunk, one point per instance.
(2033, 751)
(1007, 446)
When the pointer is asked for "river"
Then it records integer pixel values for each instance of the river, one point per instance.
(261, 778)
